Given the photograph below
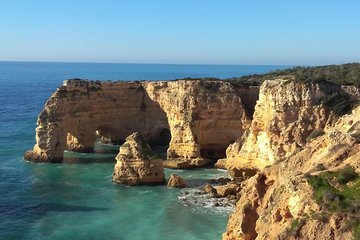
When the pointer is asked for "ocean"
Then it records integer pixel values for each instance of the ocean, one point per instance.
(79, 200)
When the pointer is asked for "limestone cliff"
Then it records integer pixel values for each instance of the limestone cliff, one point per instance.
(280, 203)
(197, 119)
(286, 113)
(137, 164)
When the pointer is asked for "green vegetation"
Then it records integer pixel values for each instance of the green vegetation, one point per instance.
(356, 229)
(212, 86)
(339, 103)
(345, 74)
(338, 192)
(201, 79)
(296, 225)
(336, 198)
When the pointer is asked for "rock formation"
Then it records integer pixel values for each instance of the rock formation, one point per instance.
(197, 119)
(221, 163)
(204, 117)
(176, 181)
(295, 142)
(286, 113)
(137, 164)
(287, 200)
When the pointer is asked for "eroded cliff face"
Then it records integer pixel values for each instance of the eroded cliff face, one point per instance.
(197, 119)
(285, 114)
(204, 117)
(279, 202)
(78, 111)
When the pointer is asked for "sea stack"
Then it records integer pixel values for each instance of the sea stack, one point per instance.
(137, 164)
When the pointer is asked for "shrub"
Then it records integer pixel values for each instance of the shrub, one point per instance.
(345, 200)
(211, 86)
(346, 175)
(296, 225)
(345, 74)
(339, 103)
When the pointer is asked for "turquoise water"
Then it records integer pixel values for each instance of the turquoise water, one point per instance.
(79, 201)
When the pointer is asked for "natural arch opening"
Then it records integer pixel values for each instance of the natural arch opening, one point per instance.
(162, 138)
(112, 121)
(82, 144)
(159, 143)
(76, 147)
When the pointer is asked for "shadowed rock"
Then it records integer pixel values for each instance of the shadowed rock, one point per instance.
(137, 164)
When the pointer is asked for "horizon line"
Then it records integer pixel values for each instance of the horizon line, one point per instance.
(158, 63)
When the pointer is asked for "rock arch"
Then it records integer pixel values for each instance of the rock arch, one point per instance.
(189, 115)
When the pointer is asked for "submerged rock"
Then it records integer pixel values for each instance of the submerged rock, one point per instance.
(137, 164)
(176, 181)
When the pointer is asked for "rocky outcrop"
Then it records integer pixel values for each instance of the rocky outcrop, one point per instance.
(204, 116)
(221, 163)
(228, 190)
(288, 200)
(137, 164)
(176, 181)
(197, 119)
(286, 113)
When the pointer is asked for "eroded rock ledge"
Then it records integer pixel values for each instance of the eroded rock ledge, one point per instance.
(196, 119)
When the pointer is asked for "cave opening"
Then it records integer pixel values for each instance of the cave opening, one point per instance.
(160, 142)
(89, 148)
(212, 153)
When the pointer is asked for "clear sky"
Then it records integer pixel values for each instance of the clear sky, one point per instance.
(305, 32)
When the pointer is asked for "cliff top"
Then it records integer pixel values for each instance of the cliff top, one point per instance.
(344, 74)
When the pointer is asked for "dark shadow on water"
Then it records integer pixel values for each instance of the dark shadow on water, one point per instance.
(200, 182)
(77, 157)
(20, 211)
(73, 160)
(61, 207)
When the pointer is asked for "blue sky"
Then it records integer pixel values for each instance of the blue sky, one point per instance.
(305, 32)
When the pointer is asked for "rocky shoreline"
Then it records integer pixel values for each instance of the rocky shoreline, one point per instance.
(293, 157)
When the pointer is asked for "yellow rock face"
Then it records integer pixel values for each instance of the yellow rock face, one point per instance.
(274, 199)
(285, 114)
(198, 120)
